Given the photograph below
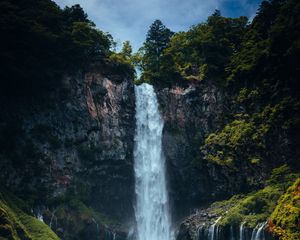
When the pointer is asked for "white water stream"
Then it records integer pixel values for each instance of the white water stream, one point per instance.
(152, 210)
(242, 231)
(213, 234)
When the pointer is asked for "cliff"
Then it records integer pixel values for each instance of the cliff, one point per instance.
(70, 154)
(190, 113)
(196, 115)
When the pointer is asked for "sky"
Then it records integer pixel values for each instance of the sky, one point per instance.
(130, 19)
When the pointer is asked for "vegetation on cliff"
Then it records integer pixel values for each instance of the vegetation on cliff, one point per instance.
(285, 220)
(258, 206)
(261, 128)
(17, 223)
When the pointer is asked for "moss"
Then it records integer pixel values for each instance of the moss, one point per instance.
(16, 223)
(285, 220)
(77, 218)
(233, 134)
(258, 206)
(255, 160)
(247, 95)
(253, 208)
(247, 139)
(223, 147)
(85, 213)
(282, 175)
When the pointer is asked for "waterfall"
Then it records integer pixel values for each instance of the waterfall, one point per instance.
(258, 232)
(242, 231)
(199, 230)
(152, 210)
(211, 231)
(40, 217)
(231, 233)
(254, 233)
(217, 232)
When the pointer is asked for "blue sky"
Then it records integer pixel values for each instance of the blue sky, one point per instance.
(130, 19)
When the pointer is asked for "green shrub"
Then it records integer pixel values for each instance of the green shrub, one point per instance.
(285, 220)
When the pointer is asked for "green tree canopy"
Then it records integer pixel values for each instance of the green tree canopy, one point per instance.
(158, 38)
(40, 42)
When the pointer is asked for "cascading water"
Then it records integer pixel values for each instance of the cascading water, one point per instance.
(242, 231)
(212, 230)
(152, 210)
(258, 232)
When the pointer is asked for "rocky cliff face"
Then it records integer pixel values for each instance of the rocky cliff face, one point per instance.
(71, 155)
(190, 113)
(76, 143)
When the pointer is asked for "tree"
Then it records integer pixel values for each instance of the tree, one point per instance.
(41, 42)
(75, 14)
(126, 49)
(158, 38)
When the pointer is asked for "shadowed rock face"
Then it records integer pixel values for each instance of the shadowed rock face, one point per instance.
(76, 141)
(190, 113)
(111, 104)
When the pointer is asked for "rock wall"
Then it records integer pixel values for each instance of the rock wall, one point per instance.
(190, 113)
(76, 142)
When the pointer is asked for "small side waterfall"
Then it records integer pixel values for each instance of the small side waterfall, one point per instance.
(152, 210)
(199, 232)
(242, 231)
(258, 232)
(40, 217)
(215, 231)
(231, 233)
(212, 233)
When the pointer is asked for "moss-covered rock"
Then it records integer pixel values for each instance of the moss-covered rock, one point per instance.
(17, 224)
(256, 207)
(285, 220)
(253, 208)
(273, 207)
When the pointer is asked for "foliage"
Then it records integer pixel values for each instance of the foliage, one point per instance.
(77, 217)
(285, 219)
(124, 59)
(268, 55)
(72, 211)
(236, 138)
(151, 61)
(246, 139)
(16, 223)
(258, 206)
(41, 42)
(198, 54)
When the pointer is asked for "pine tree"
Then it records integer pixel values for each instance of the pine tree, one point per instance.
(157, 40)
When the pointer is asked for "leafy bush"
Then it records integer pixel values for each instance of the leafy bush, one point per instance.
(285, 219)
